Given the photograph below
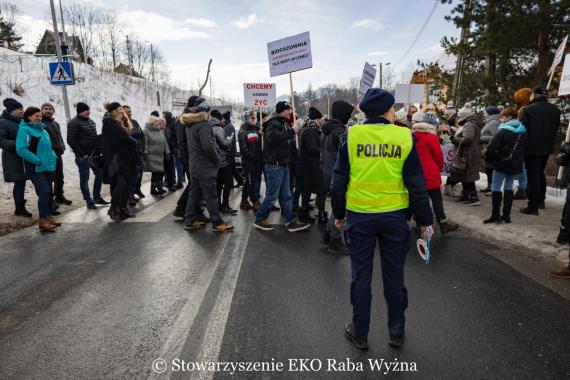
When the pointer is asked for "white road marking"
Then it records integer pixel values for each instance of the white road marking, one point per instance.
(157, 211)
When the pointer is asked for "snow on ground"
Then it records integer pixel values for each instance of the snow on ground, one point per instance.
(92, 86)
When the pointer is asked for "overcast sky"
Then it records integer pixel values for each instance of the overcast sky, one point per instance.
(234, 33)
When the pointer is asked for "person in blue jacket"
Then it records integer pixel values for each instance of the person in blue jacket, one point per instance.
(33, 144)
(377, 180)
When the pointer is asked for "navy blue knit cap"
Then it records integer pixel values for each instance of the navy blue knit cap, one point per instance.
(12, 104)
(376, 102)
(492, 110)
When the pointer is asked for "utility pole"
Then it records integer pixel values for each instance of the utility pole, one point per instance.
(457, 79)
(380, 72)
(60, 59)
(62, 22)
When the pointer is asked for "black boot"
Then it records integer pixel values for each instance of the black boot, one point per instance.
(473, 199)
(21, 210)
(496, 214)
(154, 188)
(507, 206)
(305, 216)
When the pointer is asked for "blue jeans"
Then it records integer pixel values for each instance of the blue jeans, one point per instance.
(179, 169)
(523, 180)
(277, 186)
(42, 184)
(84, 168)
(499, 177)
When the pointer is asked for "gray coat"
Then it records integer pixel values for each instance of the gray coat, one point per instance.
(468, 139)
(202, 150)
(223, 144)
(155, 148)
(490, 129)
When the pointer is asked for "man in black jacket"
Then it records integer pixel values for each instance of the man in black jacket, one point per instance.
(58, 145)
(332, 130)
(230, 132)
(278, 137)
(170, 135)
(542, 120)
(182, 145)
(252, 158)
(82, 138)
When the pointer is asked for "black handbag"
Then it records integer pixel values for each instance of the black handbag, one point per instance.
(459, 163)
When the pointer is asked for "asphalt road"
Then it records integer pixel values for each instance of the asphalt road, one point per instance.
(105, 300)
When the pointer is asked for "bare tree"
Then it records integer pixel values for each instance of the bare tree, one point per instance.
(112, 30)
(82, 20)
(141, 56)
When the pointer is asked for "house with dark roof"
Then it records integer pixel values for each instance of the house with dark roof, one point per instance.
(47, 44)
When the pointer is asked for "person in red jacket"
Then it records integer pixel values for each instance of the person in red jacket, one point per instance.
(431, 156)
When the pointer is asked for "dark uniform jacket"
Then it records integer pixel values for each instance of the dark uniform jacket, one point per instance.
(412, 173)
(542, 121)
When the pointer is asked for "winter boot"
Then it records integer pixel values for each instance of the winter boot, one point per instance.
(323, 218)
(21, 210)
(305, 217)
(45, 225)
(53, 207)
(447, 225)
(520, 195)
(326, 238)
(473, 199)
(563, 236)
(154, 188)
(496, 213)
(61, 199)
(464, 197)
(508, 205)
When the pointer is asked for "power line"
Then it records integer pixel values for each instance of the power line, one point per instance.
(436, 2)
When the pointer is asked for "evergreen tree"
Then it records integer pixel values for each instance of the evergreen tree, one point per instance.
(8, 35)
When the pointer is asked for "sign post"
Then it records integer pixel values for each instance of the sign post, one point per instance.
(557, 59)
(288, 55)
(60, 59)
(564, 89)
(367, 80)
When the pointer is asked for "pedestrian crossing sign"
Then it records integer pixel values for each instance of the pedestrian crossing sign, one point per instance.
(61, 73)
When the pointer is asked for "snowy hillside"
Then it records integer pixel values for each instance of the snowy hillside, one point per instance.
(29, 76)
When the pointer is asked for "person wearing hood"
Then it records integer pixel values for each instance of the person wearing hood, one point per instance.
(155, 151)
(467, 160)
(487, 133)
(333, 129)
(34, 147)
(505, 153)
(120, 156)
(12, 165)
(377, 180)
(542, 120)
(204, 161)
(225, 178)
(310, 153)
(249, 139)
(58, 145)
(431, 156)
(278, 139)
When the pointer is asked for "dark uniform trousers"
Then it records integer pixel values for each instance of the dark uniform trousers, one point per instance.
(392, 233)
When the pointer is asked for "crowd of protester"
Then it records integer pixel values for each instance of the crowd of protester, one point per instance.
(295, 157)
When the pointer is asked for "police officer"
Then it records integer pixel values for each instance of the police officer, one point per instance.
(377, 178)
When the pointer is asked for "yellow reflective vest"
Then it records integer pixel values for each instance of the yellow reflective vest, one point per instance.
(377, 153)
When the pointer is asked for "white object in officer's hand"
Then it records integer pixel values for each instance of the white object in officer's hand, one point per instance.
(423, 246)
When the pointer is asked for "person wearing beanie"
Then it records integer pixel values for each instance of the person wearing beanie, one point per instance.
(155, 114)
(249, 138)
(431, 156)
(82, 138)
(278, 139)
(58, 145)
(333, 129)
(467, 161)
(315, 114)
(505, 153)
(33, 145)
(12, 165)
(155, 151)
(203, 165)
(225, 180)
(377, 178)
(310, 153)
(489, 131)
(542, 121)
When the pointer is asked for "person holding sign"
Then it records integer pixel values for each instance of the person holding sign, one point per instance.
(278, 137)
(377, 178)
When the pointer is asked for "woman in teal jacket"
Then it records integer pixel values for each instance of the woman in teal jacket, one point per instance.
(34, 146)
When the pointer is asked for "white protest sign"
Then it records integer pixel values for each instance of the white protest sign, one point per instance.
(367, 80)
(409, 93)
(564, 88)
(290, 54)
(259, 94)
(557, 59)
(448, 154)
